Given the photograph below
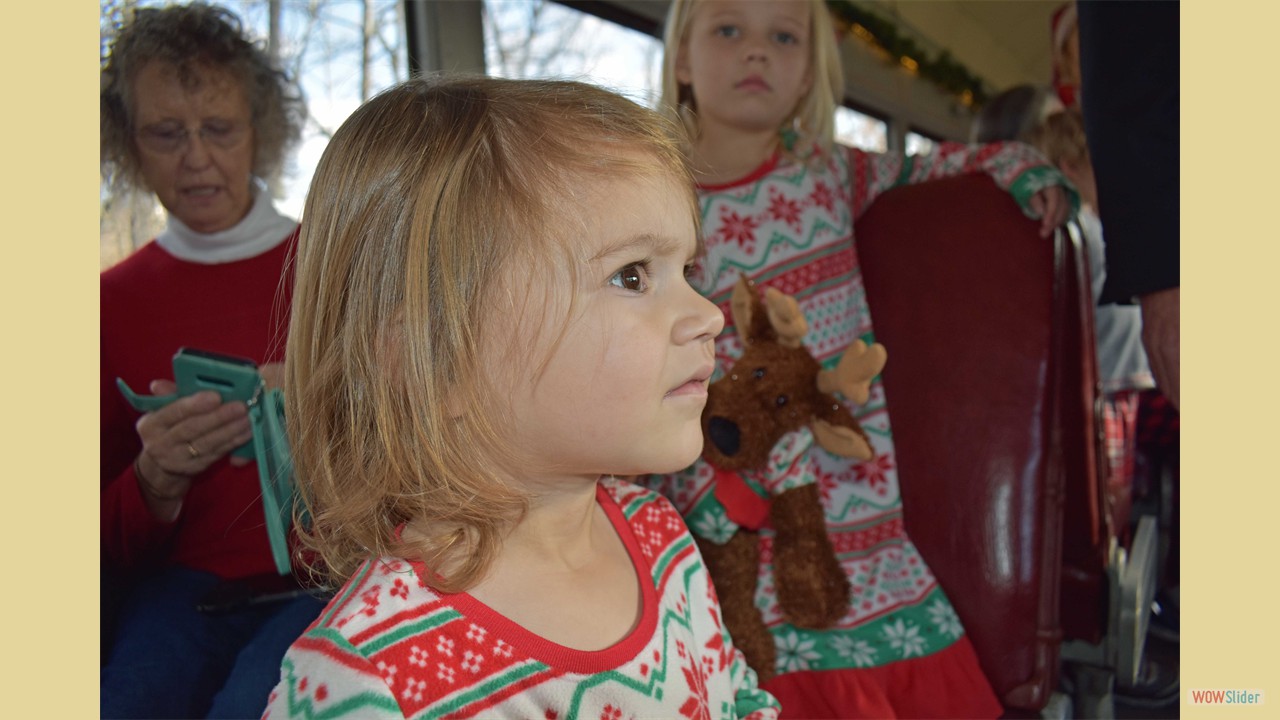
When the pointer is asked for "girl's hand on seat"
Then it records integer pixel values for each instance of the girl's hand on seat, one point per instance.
(1052, 207)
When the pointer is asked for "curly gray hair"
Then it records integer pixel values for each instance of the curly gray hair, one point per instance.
(193, 37)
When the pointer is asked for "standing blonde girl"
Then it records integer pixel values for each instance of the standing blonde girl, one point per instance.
(754, 85)
(491, 319)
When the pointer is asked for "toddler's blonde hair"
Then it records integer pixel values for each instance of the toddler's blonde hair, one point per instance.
(439, 206)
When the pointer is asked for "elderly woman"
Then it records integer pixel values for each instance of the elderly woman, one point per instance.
(195, 113)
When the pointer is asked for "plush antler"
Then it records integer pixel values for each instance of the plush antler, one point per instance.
(852, 376)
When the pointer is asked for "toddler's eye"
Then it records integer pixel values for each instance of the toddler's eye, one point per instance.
(727, 31)
(633, 276)
(786, 38)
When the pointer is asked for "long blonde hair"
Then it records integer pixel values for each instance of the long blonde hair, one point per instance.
(815, 113)
(424, 200)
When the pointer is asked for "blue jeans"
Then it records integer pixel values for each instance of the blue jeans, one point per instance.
(173, 661)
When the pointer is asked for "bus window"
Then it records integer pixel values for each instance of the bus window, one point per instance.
(917, 144)
(860, 130)
(544, 39)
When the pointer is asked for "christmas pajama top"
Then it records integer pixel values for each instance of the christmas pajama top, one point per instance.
(790, 226)
(387, 646)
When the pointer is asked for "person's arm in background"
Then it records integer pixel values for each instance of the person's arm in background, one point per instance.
(1020, 169)
(1129, 60)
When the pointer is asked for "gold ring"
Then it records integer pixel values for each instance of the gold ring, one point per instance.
(195, 452)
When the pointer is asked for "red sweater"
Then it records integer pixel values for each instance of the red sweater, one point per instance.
(151, 304)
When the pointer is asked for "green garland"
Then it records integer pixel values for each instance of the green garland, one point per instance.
(943, 70)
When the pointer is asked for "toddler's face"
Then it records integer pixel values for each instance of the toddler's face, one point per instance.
(622, 391)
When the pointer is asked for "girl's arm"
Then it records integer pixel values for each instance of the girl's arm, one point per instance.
(1016, 167)
(750, 702)
(323, 675)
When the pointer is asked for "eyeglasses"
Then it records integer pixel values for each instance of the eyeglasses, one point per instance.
(172, 137)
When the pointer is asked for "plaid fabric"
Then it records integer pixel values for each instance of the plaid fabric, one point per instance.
(1120, 420)
(1157, 422)
(1157, 453)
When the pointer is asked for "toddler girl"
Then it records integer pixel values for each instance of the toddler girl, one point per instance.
(492, 319)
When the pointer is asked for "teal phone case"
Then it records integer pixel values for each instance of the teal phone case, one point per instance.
(194, 370)
(275, 472)
(144, 403)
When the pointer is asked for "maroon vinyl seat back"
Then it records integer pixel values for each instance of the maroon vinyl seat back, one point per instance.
(990, 394)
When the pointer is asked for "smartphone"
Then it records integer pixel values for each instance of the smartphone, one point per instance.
(233, 378)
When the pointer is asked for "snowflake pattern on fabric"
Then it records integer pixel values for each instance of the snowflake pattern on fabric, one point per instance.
(714, 525)
(859, 652)
(944, 617)
(796, 652)
(904, 637)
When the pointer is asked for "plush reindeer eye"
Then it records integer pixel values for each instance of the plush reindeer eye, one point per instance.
(759, 373)
(780, 400)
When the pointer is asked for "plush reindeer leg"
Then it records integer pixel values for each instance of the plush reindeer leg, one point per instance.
(735, 568)
(852, 376)
(812, 587)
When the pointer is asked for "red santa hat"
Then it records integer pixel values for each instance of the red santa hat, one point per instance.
(1061, 23)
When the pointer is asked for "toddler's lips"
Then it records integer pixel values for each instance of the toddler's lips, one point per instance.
(696, 385)
(693, 388)
(753, 82)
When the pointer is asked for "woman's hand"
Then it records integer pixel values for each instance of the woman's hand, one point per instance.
(1160, 332)
(1052, 207)
(181, 440)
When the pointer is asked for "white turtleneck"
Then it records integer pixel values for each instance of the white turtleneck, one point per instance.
(262, 229)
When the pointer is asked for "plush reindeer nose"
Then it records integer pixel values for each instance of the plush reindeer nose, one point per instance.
(724, 435)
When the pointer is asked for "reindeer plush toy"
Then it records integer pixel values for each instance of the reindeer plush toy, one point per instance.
(777, 387)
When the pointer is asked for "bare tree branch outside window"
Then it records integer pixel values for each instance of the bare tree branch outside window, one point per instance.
(345, 51)
(544, 39)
